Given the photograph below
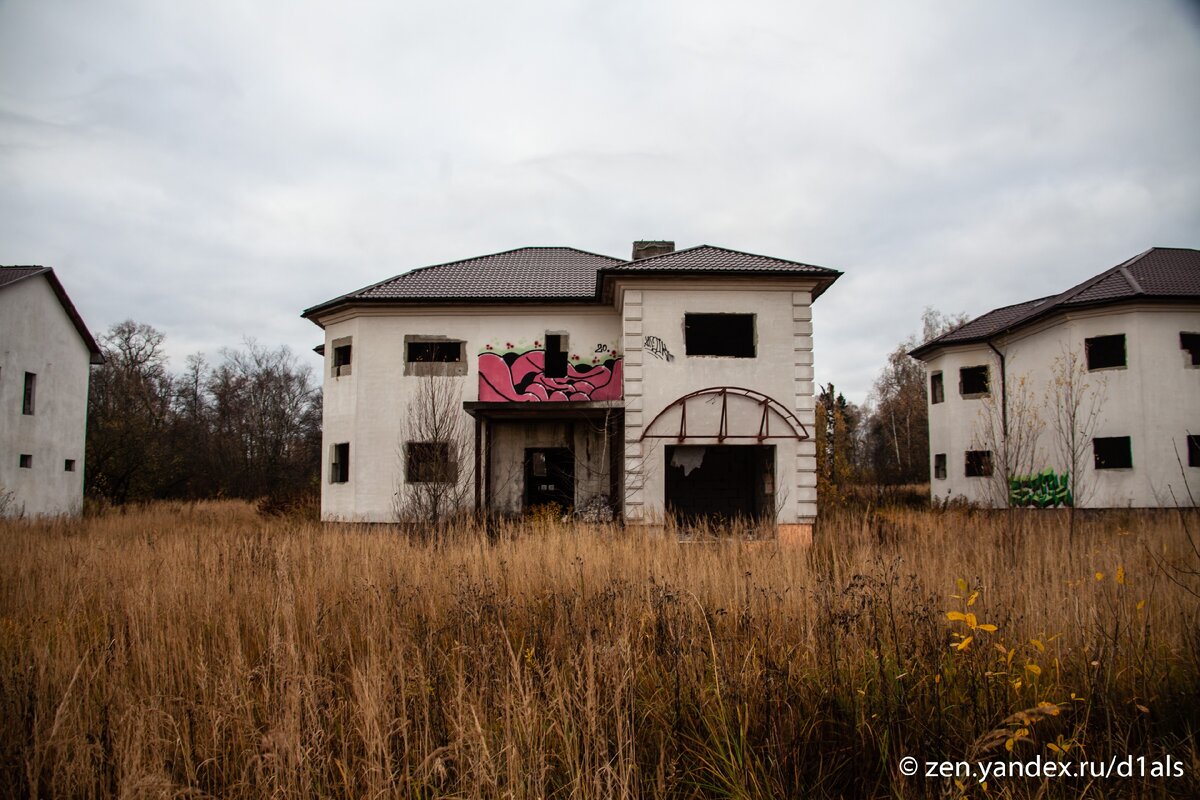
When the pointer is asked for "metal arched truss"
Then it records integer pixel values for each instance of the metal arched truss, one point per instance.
(791, 426)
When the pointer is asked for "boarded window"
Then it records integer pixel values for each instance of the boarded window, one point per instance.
(978, 463)
(429, 462)
(1112, 452)
(729, 335)
(1105, 352)
(69, 465)
(937, 388)
(29, 397)
(973, 381)
(939, 466)
(437, 352)
(1191, 343)
(1193, 450)
(339, 463)
(26, 461)
(342, 352)
(556, 355)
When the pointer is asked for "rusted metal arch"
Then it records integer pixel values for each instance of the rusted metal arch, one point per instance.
(795, 428)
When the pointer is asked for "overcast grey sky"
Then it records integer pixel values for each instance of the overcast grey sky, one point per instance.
(215, 168)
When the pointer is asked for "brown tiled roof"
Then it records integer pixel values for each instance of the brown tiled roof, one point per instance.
(11, 275)
(564, 274)
(1160, 273)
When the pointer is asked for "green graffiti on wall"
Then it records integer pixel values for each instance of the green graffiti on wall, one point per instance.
(1047, 489)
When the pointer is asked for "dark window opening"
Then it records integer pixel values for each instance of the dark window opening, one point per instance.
(549, 478)
(720, 482)
(1191, 343)
(429, 462)
(26, 461)
(341, 357)
(979, 463)
(939, 466)
(435, 352)
(1193, 450)
(69, 465)
(30, 394)
(973, 380)
(1112, 452)
(937, 388)
(339, 463)
(729, 335)
(1104, 352)
(556, 355)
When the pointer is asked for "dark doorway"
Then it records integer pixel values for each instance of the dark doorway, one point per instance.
(549, 477)
(721, 481)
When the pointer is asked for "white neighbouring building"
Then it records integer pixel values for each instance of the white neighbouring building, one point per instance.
(675, 382)
(46, 353)
(1135, 331)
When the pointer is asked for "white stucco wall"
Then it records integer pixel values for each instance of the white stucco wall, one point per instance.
(37, 335)
(1154, 399)
(782, 369)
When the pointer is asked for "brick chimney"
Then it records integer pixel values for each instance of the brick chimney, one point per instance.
(647, 249)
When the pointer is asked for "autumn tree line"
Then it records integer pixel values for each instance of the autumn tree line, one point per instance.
(247, 425)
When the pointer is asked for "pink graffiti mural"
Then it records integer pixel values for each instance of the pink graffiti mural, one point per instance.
(521, 378)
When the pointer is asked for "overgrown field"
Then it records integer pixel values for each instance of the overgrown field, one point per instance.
(203, 650)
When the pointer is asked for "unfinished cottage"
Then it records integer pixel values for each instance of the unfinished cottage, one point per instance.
(672, 383)
(1088, 398)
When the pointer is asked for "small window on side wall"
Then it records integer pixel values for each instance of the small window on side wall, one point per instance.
(429, 462)
(342, 353)
(69, 465)
(727, 335)
(973, 381)
(29, 396)
(339, 462)
(1105, 352)
(937, 388)
(978, 463)
(939, 466)
(26, 461)
(1112, 452)
(1193, 448)
(1190, 344)
(435, 352)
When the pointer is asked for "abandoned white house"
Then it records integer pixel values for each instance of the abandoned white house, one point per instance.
(1090, 397)
(45, 357)
(678, 382)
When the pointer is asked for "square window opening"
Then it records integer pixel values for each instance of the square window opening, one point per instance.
(69, 465)
(556, 355)
(1112, 452)
(429, 462)
(939, 466)
(26, 461)
(339, 463)
(1190, 342)
(726, 335)
(439, 352)
(1105, 352)
(978, 463)
(973, 381)
(342, 356)
(1193, 448)
(29, 396)
(937, 388)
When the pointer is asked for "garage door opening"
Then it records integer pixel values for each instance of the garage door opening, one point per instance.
(720, 482)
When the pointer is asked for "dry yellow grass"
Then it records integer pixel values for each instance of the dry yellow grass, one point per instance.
(201, 650)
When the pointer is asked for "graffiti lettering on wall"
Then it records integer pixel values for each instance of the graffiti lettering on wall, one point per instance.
(657, 348)
(516, 373)
(1046, 489)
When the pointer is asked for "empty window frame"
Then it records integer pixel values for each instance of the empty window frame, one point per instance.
(339, 462)
(973, 381)
(1190, 342)
(429, 462)
(25, 461)
(939, 466)
(978, 464)
(727, 335)
(342, 356)
(1112, 452)
(29, 396)
(937, 388)
(557, 345)
(1193, 448)
(439, 351)
(69, 465)
(1105, 352)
